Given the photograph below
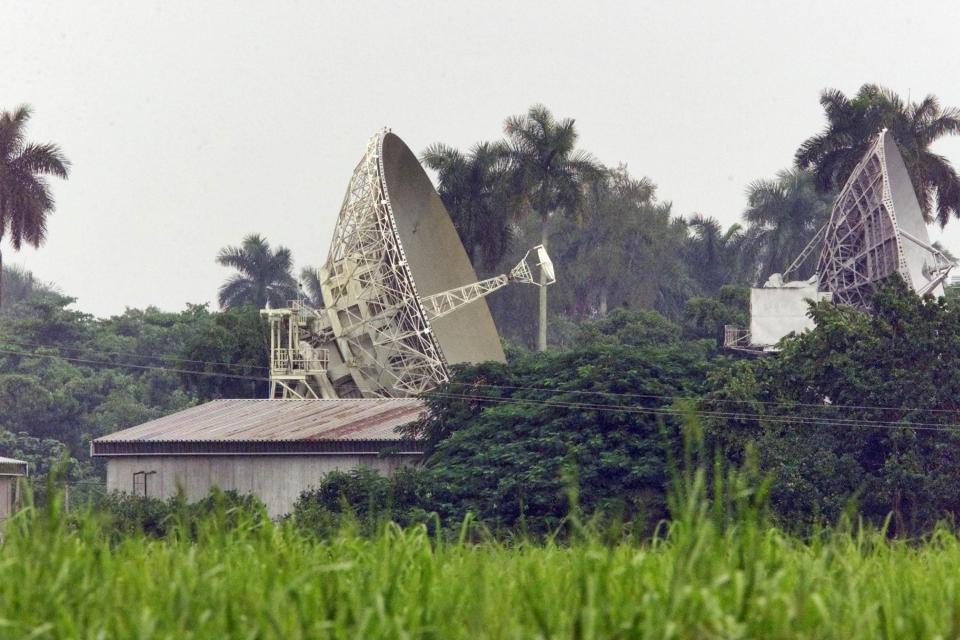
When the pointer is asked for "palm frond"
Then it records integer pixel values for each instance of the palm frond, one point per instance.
(439, 155)
(235, 257)
(26, 199)
(310, 277)
(45, 159)
(12, 128)
(235, 292)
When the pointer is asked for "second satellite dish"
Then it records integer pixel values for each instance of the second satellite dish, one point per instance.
(401, 300)
(876, 229)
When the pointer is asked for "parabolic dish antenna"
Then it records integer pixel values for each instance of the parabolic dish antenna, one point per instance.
(876, 229)
(401, 301)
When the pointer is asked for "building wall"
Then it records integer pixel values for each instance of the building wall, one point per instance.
(6, 497)
(278, 480)
(776, 311)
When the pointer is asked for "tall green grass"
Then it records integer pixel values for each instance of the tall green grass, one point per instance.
(718, 570)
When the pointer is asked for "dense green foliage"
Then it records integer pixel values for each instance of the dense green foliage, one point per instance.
(514, 450)
(507, 443)
(862, 407)
(121, 515)
(858, 415)
(66, 377)
(20, 284)
(365, 500)
(706, 317)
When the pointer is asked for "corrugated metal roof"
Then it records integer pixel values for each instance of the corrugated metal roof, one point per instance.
(278, 421)
(12, 467)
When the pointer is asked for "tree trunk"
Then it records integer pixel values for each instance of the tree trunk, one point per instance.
(603, 300)
(1, 279)
(542, 329)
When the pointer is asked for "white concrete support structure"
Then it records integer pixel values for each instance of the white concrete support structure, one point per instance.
(776, 312)
(298, 366)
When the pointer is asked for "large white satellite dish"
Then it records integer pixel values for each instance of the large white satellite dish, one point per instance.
(401, 301)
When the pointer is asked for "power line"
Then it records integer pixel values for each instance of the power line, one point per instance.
(661, 411)
(167, 357)
(781, 404)
(666, 411)
(954, 428)
(133, 366)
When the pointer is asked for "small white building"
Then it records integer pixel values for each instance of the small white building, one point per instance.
(10, 473)
(776, 310)
(274, 449)
(779, 309)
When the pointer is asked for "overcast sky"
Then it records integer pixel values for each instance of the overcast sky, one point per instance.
(191, 124)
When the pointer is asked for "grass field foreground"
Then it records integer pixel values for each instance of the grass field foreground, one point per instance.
(706, 575)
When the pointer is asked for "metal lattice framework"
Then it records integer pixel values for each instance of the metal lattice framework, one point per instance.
(370, 293)
(864, 241)
(294, 356)
(446, 302)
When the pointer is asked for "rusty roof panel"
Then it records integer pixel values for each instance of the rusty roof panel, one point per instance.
(12, 467)
(373, 419)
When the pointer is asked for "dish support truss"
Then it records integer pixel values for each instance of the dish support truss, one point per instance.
(863, 242)
(446, 302)
(382, 332)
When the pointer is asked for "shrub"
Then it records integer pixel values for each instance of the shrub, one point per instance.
(363, 499)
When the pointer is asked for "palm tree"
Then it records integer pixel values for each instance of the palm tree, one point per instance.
(852, 124)
(946, 252)
(264, 275)
(553, 174)
(783, 215)
(25, 198)
(616, 221)
(473, 187)
(715, 256)
(310, 282)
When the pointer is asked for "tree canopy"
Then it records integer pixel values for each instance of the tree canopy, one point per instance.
(853, 124)
(476, 189)
(861, 409)
(554, 175)
(783, 215)
(68, 377)
(263, 278)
